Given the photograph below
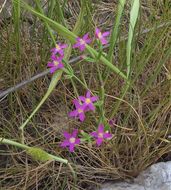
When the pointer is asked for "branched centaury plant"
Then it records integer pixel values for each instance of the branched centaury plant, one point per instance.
(71, 36)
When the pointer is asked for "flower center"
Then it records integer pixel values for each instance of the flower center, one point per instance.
(58, 47)
(100, 135)
(82, 42)
(88, 100)
(80, 110)
(72, 140)
(99, 35)
(56, 63)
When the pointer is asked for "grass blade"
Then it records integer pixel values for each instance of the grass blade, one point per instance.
(133, 19)
(115, 30)
(16, 18)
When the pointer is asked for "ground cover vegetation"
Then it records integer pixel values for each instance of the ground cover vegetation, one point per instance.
(99, 106)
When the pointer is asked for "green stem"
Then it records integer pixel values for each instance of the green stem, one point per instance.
(25, 147)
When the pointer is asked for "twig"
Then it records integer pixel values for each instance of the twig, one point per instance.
(2, 6)
(73, 60)
(23, 83)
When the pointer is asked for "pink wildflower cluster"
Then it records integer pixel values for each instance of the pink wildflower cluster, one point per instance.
(82, 42)
(57, 53)
(82, 105)
(56, 57)
(72, 139)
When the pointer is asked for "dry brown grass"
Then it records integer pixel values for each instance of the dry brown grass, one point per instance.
(141, 135)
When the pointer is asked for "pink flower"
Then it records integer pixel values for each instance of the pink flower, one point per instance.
(100, 135)
(55, 64)
(88, 101)
(82, 42)
(101, 36)
(79, 111)
(71, 140)
(58, 49)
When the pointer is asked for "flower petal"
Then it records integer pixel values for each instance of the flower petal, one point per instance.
(88, 94)
(91, 106)
(76, 103)
(73, 113)
(71, 147)
(85, 37)
(77, 141)
(53, 57)
(53, 50)
(60, 66)
(82, 47)
(64, 46)
(104, 41)
(106, 34)
(65, 143)
(101, 128)
(53, 69)
(88, 41)
(94, 98)
(97, 31)
(76, 45)
(99, 141)
(107, 135)
(82, 117)
(50, 64)
(94, 134)
(66, 135)
(82, 98)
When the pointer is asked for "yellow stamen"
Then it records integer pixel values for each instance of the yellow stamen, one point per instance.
(99, 35)
(88, 100)
(58, 47)
(100, 135)
(72, 140)
(80, 110)
(56, 63)
(82, 42)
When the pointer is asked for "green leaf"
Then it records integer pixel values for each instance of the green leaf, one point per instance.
(133, 19)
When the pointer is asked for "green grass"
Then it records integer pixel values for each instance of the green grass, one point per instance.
(132, 81)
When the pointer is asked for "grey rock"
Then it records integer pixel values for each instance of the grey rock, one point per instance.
(156, 177)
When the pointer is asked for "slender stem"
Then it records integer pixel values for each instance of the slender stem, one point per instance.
(25, 147)
(10, 142)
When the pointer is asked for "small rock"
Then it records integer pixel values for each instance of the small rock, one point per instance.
(156, 177)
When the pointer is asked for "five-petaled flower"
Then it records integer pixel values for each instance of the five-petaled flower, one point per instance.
(100, 135)
(70, 140)
(79, 111)
(55, 64)
(82, 42)
(102, 36)
(59, 49)
(88, 101)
